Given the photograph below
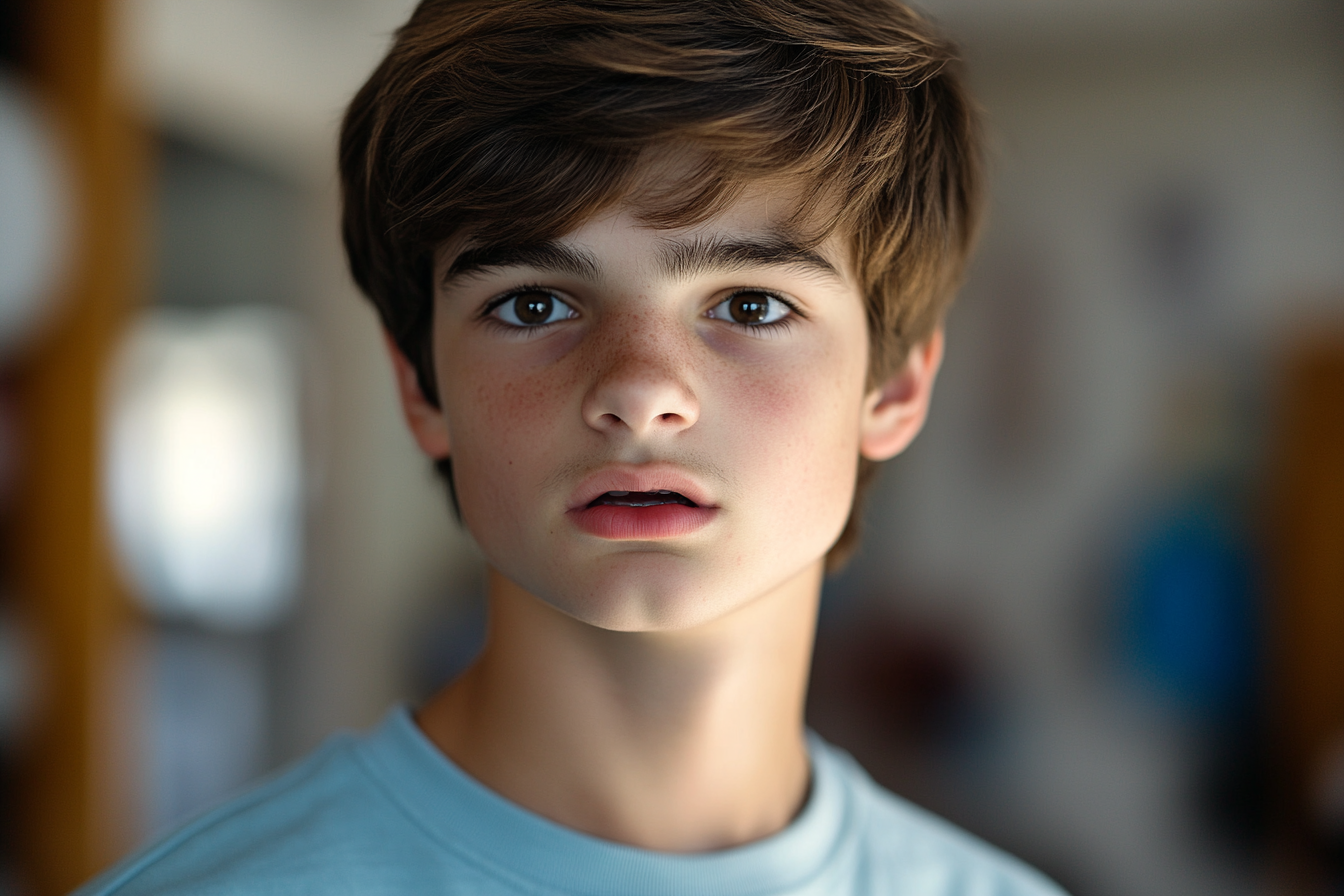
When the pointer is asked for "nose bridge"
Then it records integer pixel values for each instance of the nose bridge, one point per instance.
(642, 343)
(642, 373)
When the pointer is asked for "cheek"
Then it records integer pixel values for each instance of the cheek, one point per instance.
(795, 429)
(510, 407)
(800, 395)
(500, 394)
(505, 429)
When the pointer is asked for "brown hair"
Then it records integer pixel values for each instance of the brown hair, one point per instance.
(526, 118)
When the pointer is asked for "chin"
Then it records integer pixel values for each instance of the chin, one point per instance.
(641, 592)
(636, 595)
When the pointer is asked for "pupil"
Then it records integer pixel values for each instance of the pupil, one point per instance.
(533, 307)
(749, 308)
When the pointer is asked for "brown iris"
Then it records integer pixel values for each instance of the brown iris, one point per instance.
(749, 307)
(533, 307)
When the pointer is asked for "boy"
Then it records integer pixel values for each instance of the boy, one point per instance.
(662, 281)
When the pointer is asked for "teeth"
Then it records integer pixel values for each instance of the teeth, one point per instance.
(663, 491)
(618, 494)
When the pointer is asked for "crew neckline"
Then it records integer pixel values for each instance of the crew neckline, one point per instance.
(473, 821)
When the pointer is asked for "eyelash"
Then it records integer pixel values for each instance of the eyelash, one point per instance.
(767, 329)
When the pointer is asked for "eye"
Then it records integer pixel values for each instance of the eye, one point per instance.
(752, 308)
(532, 308)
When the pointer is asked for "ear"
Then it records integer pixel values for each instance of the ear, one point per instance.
(428, 424)
(894, 412)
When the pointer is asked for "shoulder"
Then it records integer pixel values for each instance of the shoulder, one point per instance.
(905, 849)
(323, 826)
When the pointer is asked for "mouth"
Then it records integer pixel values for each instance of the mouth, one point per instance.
(641, 499)
(644, 503)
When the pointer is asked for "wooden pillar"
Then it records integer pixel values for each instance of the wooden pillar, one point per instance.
(1307, 576)
(76, 774)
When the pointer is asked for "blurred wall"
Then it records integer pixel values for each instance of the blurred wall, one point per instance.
(1167, 211)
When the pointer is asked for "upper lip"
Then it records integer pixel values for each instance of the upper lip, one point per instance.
(642, 478)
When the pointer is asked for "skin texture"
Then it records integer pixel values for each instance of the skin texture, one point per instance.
(650, 691)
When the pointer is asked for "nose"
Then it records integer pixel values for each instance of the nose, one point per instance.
(642, 385)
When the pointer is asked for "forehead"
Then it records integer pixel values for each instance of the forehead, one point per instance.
(765, 223)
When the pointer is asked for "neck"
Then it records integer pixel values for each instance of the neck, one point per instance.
(677, 741)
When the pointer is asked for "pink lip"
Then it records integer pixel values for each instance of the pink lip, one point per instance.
(640, 523)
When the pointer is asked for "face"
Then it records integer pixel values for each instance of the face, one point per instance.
(650, 428)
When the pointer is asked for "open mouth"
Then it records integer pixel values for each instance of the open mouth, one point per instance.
(641, 503)
(641, 499)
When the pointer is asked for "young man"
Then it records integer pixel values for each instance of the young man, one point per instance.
(662, 281)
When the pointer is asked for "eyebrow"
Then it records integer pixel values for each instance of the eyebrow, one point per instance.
(706, 255)
(547, 255)
(682, 260)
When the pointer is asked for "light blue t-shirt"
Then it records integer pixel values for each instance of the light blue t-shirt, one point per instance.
(387, 813)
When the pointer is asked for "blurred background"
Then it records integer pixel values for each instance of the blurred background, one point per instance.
(1099, 613)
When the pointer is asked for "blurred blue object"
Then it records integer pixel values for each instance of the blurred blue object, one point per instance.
(1190, 627)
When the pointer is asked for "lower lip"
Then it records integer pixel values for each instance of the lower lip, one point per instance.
(641, 523)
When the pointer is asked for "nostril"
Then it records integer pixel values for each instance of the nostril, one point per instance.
(640, 405)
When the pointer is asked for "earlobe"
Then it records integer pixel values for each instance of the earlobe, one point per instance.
(894, 412)
(427, 422)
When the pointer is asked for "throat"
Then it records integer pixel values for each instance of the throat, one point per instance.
(679, 741)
